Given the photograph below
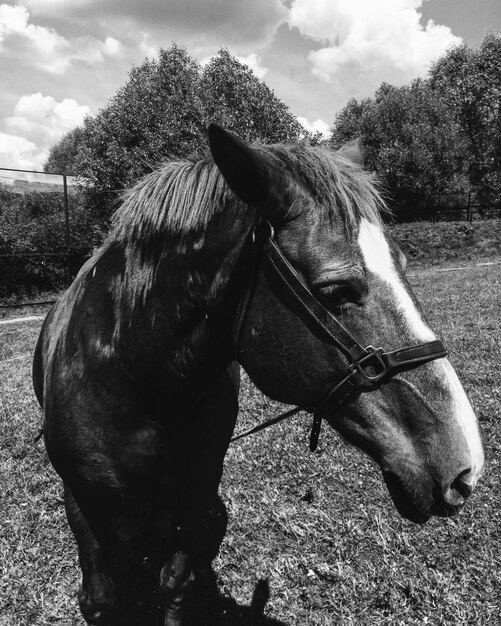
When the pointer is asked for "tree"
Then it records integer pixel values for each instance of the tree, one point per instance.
(163, 111)
(469, 81)
(347, 124)
(234, 97)
(156, 114)
(63, 157)
(408, 139)
(437, 135)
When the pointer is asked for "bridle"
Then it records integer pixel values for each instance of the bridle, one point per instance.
(367, 368)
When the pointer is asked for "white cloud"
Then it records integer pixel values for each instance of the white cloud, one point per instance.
(147, 46)
(42, 117)
(37, 123)
(381, 41)
(112, 46)
(253, 61)
(18, 152)
(318, 126)
(43, 47)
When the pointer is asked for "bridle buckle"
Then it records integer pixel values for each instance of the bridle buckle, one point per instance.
(373, 359)
(261, 231)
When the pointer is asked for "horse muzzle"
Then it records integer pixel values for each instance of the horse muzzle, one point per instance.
(440, 501)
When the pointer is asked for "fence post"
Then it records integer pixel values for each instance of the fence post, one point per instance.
(67, 227)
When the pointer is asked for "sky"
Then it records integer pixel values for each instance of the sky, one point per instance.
(61, 60)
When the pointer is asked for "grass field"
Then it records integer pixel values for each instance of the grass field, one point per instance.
(317, 532)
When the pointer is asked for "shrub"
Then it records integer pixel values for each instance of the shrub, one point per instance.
(34, 255)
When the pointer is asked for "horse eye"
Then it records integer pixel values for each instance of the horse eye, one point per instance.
(339, 294)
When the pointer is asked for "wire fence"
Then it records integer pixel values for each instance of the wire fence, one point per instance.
(39, 250)
(456, 207)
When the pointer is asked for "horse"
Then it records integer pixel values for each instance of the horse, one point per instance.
(272, 257)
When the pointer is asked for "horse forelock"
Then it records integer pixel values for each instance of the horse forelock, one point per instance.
(168, 212)
(339, 187)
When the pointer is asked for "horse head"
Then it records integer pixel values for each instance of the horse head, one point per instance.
(326, 246)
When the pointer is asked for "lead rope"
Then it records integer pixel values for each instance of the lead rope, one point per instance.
(266, 424)
(315, 431)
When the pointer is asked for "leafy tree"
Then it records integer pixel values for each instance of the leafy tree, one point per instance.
(63, 156)
(33, 223)
(469, 80)
(437, 135)
(156, 114)
(234, 97)
(348, 122)
(163, 111)
(408, 139)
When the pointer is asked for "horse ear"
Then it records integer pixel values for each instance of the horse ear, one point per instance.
(247, 172)
(353, 151)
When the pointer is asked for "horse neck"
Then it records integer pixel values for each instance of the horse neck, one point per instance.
(180, 331)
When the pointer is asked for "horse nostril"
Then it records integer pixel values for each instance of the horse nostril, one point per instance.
(460, 484)
(459, 490)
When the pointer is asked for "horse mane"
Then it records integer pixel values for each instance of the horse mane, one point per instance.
(339, 186)
(178, 198)
(168, 211)
(182, 196)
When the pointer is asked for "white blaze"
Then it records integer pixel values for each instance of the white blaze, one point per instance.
(378, 260)
(465, 416)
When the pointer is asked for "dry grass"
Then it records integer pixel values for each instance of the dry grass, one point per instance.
(319, 528)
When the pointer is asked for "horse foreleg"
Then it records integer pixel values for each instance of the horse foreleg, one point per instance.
(176, 583)
(199, 467)
(96, 595)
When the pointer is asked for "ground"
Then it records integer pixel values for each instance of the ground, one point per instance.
(317, 533)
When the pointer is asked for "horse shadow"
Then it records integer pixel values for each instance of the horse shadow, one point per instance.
(138, 596)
